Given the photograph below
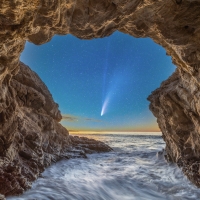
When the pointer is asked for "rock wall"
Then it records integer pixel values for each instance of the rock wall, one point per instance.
(30, 136)
(176, 105)
(174, 24)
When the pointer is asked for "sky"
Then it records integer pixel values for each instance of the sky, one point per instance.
(101, 84)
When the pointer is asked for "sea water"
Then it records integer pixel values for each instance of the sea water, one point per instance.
(134, 170)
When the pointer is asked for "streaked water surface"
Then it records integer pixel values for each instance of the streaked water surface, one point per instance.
(133, 171)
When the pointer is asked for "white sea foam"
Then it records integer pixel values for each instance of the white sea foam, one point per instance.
(133, 171)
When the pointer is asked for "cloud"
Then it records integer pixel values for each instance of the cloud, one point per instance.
(72, 118)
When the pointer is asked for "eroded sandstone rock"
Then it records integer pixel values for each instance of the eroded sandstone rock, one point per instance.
(174, 24)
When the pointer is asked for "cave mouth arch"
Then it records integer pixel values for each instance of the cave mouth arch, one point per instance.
(172, 24)
(114, 69)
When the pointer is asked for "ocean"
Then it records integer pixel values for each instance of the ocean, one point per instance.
(134, 170)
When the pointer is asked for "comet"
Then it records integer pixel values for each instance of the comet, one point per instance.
(104, 107)
(105, 101)
(114, 90)
(113, 84)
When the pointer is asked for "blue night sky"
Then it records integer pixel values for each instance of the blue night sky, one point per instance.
(111, 77)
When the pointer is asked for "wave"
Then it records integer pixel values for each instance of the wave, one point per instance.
(135, 170)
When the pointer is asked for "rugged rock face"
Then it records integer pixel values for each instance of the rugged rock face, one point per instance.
(176, 106)
(31, 137)
(174, 24)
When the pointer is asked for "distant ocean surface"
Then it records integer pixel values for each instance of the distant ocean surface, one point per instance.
(133, 171)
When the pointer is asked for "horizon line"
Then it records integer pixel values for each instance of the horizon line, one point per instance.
(109, 131)
(115, 132)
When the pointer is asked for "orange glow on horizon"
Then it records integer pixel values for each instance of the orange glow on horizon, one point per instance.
(112, 132)
(149, 129)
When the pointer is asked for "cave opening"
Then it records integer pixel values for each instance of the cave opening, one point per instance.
(101, 84)
(31, 137)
